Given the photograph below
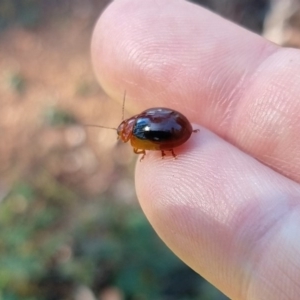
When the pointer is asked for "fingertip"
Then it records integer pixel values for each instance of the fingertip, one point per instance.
(212, 206)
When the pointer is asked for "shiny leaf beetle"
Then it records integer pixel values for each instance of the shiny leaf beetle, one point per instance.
(160, 129)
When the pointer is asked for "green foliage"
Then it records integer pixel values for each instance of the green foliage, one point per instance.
(111, 245)
(56, 117)
(29, 236)
(84, 88)
(16, 82)
(25, 12)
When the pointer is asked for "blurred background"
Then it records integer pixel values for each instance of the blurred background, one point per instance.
(70, 224)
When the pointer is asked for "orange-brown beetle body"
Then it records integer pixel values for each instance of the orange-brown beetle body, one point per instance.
(155, 129)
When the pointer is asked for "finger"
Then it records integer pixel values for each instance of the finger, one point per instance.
(176, 54)
(165, 52)
(232, 219)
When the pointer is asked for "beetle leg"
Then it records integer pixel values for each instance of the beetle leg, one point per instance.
(163, 153)
(173, 153)
(137, 151)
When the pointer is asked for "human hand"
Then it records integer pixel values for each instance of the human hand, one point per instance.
(229, 205)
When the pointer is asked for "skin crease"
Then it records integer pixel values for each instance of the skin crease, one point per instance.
(229, 205)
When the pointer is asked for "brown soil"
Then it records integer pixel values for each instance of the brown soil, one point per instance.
(44, 71)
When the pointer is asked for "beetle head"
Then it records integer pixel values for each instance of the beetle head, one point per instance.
(124, 130)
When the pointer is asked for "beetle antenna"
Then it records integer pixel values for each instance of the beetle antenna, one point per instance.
(113, 128)
(90, 125)
(123, 106)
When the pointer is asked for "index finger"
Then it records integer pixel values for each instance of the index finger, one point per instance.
(232, 81)
(174, 54)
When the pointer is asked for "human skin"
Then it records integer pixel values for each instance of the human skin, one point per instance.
(229, 205)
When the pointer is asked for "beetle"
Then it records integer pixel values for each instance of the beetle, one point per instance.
(160, 129)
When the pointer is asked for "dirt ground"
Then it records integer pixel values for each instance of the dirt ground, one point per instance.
(47, 91)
